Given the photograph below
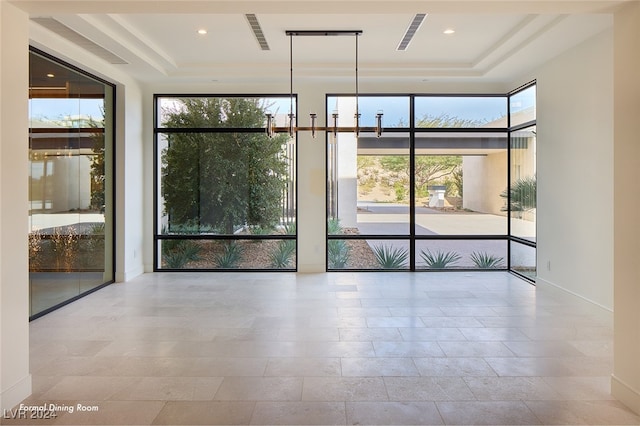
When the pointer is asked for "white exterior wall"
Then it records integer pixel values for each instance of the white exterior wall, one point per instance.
(484, 180)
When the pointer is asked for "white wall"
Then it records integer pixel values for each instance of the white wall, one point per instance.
(15, 380)
(575, 170)
(625, 383)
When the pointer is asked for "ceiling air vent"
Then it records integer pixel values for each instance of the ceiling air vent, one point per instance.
(414, 26)
(78, 39)
(257, 31)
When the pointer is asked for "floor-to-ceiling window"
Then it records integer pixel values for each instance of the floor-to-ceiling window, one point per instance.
(71, 155)
(225, 194)
(522, 198)
(433, 192)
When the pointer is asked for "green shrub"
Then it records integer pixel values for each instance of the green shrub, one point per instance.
(338, 254)
(289, 228)
(230, 256)
(334, 227)
(282, 254)
(177, 253)
(391, 257)
(439, 259)
(486, 261)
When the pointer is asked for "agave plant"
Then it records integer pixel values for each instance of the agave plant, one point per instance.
(391, 257)
(281, 256)
(334, 227)
(177, 253)
(289, 228)
(230, 256)
(338, 254)
(486, 261)
(440, 259)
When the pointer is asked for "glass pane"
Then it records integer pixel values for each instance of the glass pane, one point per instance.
(523, 192)
(460, 111)
(226, 183)
(227, 112)
(71, 183)
(369, 183)
(523, 106)
(523, 259)
(395, 110)
(228, 254)
(367, 254)
(459, 180)
(461, 254)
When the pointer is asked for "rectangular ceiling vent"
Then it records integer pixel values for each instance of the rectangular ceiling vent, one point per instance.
(78, 39)
(413, 28)
(257, 31)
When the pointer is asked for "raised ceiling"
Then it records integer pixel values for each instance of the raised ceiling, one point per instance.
(159, 40)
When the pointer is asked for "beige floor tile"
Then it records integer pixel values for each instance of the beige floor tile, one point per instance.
(453, 367)
(299, 413)
(487, 413)
(583, 413)
(84, 412)
(427, 389)
(260, 389)
(407, 349)
(344, 389)
(205, 413)
(581, 388)
(171, 389)
(283, 348)
(510, 388)
(88, 387)
(299, 367)
(393, 413)
(372, 367)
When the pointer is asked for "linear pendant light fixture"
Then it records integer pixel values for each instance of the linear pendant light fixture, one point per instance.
(313, 128)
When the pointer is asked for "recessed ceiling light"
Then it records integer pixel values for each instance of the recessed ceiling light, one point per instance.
(50, 75)
(202, 31)
(449, 31)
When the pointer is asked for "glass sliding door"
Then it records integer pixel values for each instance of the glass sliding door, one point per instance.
(71, 183)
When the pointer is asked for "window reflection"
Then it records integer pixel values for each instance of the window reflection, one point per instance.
(71, 211)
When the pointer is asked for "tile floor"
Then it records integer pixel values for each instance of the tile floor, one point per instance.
(338, 348)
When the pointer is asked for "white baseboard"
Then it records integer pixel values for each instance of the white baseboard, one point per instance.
(625, 394)
(549, 285)
(130, 274)
(11, 397)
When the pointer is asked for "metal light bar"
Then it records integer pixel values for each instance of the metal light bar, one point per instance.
(291, 128)
(322, 33)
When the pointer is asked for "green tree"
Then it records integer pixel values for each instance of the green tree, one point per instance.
(222, 180)
(446, 121)
(427, 168)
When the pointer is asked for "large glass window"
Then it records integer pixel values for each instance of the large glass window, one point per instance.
(70, 182)
(225, 190)
(521, 199)
(437, 190)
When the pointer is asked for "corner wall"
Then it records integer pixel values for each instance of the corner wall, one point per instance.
(15, 380)
(575, 171)
(625, 382)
